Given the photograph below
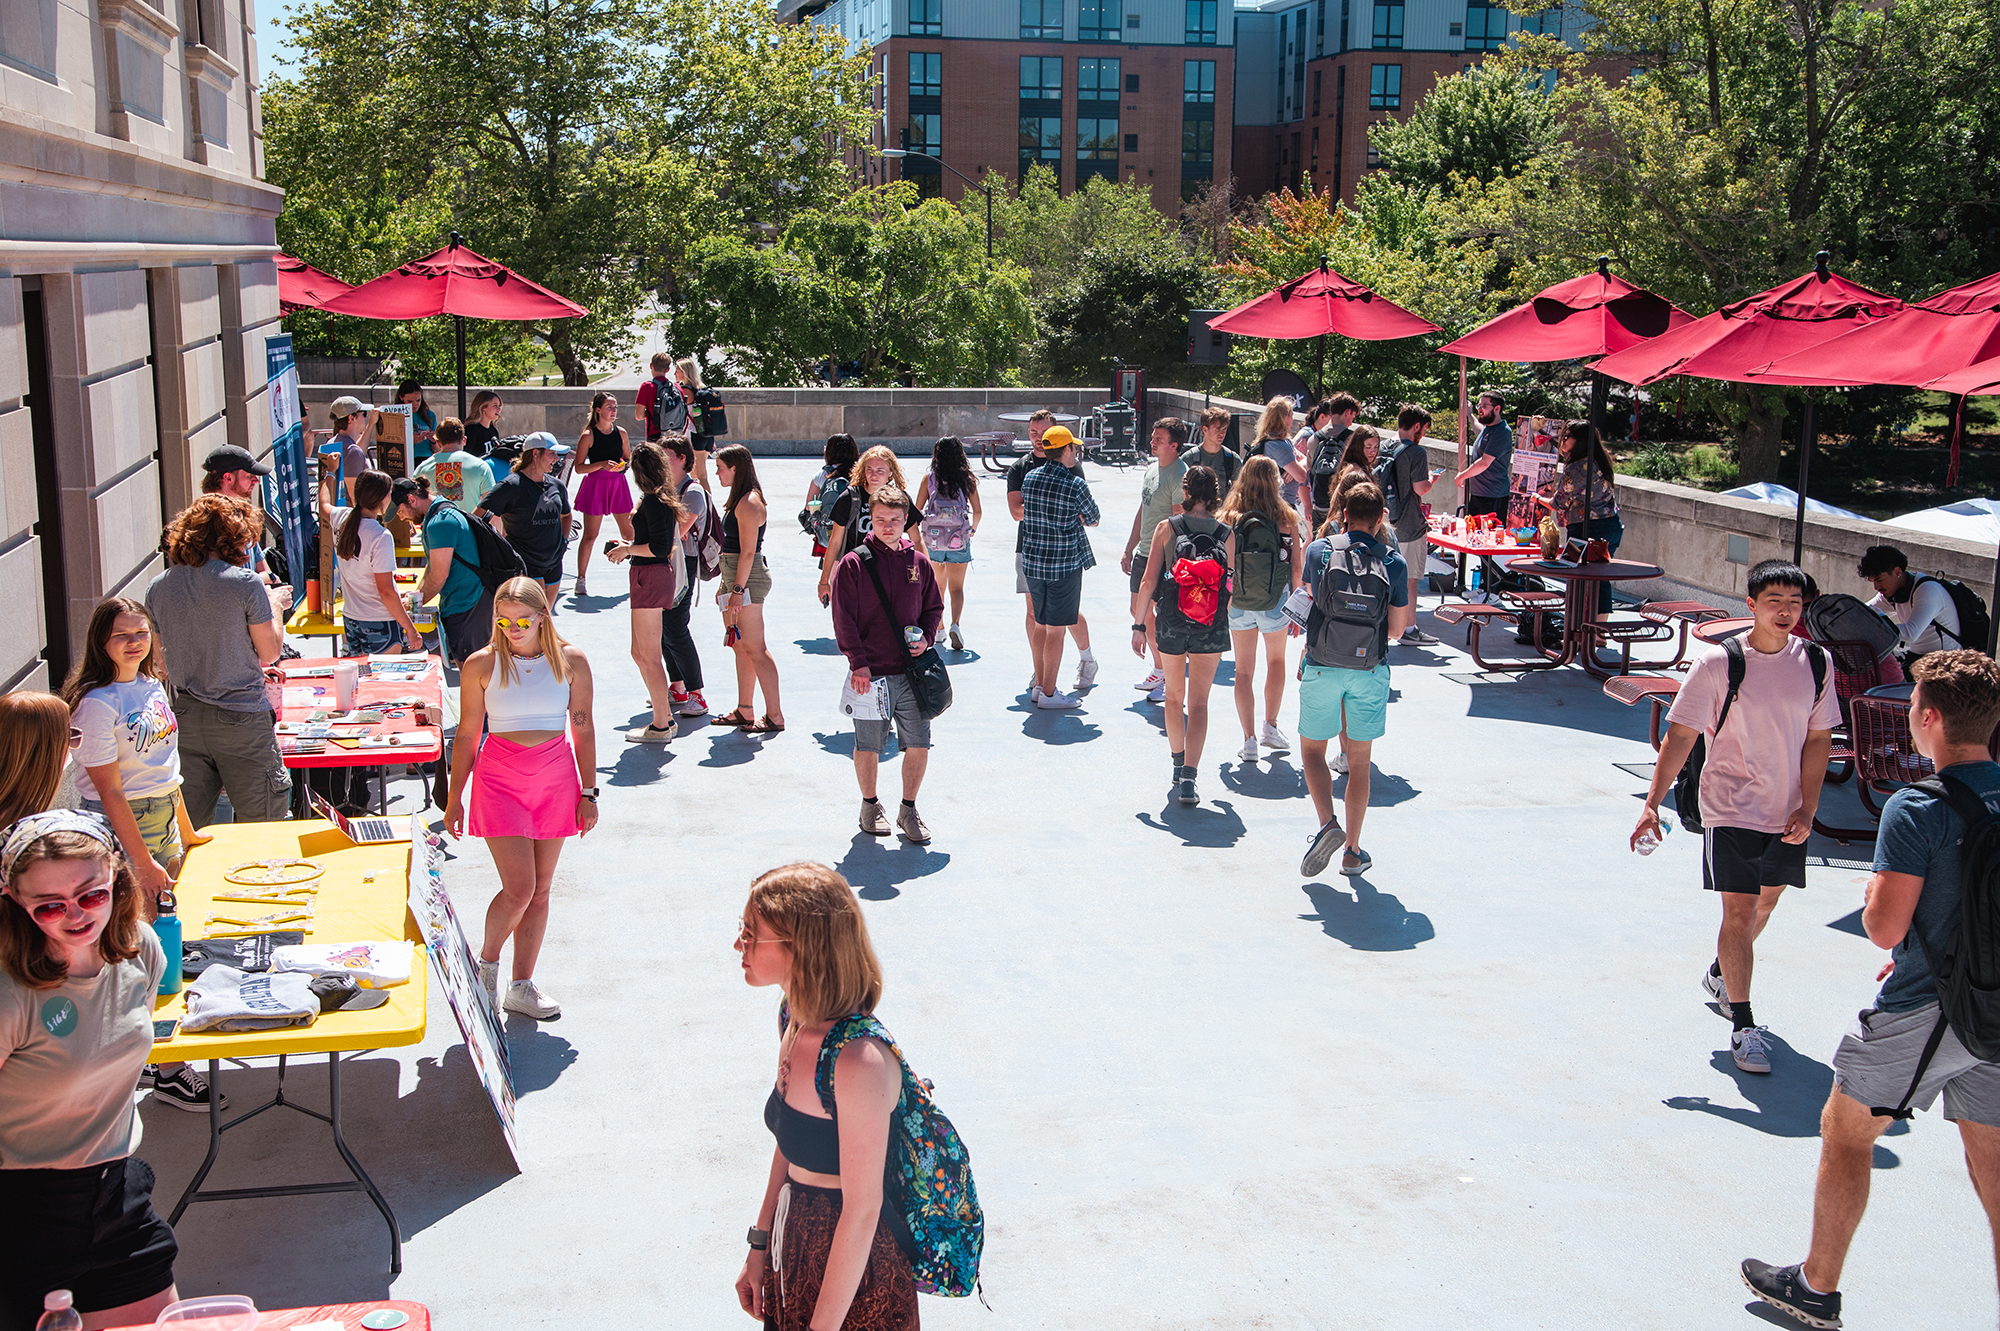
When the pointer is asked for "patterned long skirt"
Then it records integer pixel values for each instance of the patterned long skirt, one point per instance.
(801, 1237)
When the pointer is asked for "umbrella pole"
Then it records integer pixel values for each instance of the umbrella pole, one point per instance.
(1600, 395)
(458, 332)
(1319, 376)
(1461, 413)
(1807, 436)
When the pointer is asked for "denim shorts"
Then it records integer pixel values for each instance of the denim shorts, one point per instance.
(1333, 697)
(372, 635)
(1264, 621)
(951, 556)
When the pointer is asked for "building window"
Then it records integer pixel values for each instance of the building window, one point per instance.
(1131, 143)
(1096, 148)
(1316, 75)
(1315, 156)
(1198, 81)
(926, 18)
(1299, 67)
(1041, 20)
(1197, 141)
(1548, 23)
(1346, 21)
(1099, 20)
(1097, 80)
(1200, 22)
(1385, 86)
(1131, 83)
(1485, 26)
(1374, 158)
(1041, 144)
(926, 136)
(1319, 30)
(926, 76)
(1388, 25)
(1041, 78)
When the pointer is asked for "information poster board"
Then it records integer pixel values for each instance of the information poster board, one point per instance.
(1532, 471)
(395, 440)
(288, 489)
(456, 968)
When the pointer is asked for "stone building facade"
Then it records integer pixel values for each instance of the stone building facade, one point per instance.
(137, 286)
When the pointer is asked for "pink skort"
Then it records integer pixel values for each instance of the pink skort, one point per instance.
(522, 791)
(604, 491)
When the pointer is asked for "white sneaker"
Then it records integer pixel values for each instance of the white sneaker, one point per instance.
(1274, 739)
(523, 997)
(957, 639)
(1055, 702)
(489, 980)
(1152, 682)
(1249, 754)
(1340, 761)
(1717, 991)
(652, 734)
(1086, 672)
(1751, 1048)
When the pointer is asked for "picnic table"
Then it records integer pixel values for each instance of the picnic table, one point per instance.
(1582, 628)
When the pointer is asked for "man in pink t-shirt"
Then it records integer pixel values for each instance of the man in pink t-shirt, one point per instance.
(1760, 785)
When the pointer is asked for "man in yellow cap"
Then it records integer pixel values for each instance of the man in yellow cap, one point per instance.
(1056, 506)
(1086, 665)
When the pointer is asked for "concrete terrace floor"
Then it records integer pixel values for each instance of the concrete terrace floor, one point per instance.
(1478, 1087)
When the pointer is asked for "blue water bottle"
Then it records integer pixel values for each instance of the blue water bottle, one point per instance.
(168, 930)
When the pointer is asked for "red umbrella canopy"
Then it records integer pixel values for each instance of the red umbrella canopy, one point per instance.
(304, 287)
(1739, 340)
(1951, 330)
(1974, 380)
(1593, 315)
(1322, 302)
(453, 281)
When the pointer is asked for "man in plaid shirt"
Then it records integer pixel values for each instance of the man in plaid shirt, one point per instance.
(1055, 508)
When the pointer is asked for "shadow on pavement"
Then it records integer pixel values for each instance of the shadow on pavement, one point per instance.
(1788, 1099)
(731, 749)
(638, 764)
(1384, 788)
(594, 604)
(873, 866)
(537, 1055)
(1849, 923)
(1216, 824)
(1053, 727)
(817, 646)
(1276, 779)
(1367, 920)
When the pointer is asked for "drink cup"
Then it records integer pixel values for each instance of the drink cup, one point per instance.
(346, 674)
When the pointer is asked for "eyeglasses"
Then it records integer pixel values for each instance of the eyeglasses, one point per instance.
(48, 912)
(746, 936)
(524, 623)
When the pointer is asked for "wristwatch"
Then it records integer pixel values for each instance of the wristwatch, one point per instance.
(591, 794)
(760, 1239)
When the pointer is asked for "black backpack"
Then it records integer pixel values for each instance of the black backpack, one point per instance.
(1975, 626)
(1838, 617)
(1327, 447)
(1968, 974)
(498, 560)
(710, 416)
(1185, 541)
(1385, 476)
(1687, 786)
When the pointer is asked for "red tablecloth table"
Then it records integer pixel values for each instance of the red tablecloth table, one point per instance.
(349, 1316)
(426, 742)
(1463, 545)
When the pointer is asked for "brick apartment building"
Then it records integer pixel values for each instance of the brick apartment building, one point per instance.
(1173, 93)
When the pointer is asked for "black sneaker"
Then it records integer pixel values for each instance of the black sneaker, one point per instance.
(1184, 790)
(186, 1089)
(1784, 1288)
(1325, 841)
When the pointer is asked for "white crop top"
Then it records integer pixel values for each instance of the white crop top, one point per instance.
(536, 701)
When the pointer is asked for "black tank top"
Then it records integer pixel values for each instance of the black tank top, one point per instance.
(732, 535)
(605, 447)
(806, 1140)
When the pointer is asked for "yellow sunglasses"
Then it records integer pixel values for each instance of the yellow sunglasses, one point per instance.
(524, 622)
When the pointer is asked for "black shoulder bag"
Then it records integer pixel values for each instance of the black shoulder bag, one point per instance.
(929, 680)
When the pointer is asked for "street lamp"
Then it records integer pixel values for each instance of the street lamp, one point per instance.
(983, 189)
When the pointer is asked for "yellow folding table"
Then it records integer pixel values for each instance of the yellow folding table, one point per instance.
(362, 897)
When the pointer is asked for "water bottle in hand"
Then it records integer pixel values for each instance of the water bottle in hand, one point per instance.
(1648, 843)
(58, 1315)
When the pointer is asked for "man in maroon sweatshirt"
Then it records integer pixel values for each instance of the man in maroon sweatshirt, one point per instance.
(877, 650)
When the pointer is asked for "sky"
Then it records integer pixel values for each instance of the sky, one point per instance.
(273, 42)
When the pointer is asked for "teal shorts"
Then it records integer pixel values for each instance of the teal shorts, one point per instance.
(1326, 692)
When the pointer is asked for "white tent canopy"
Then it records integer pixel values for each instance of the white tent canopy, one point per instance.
(1765, 492)
(1968, 520)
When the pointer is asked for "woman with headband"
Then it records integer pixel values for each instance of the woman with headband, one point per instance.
(78, 974)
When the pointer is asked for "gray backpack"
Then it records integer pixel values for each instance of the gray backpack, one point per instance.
(1838, 617)
(1349, 622)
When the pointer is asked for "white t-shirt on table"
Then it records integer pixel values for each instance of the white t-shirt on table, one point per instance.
(1751, 777)
(357, 576)
(133, 726)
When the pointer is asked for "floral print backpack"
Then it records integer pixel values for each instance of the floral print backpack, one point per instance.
(930, 1173)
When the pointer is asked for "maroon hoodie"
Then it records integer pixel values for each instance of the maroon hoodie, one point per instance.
(866, 636)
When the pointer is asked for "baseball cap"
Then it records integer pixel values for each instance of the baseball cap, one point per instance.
(340, 993)
(400, 492)
(347, 406)
(230, 458)
(1056, 438)
(543, 439)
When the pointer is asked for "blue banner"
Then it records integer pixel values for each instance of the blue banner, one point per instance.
(287, 490)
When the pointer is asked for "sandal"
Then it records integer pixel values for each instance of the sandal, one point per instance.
(733, 718)
(767, 726)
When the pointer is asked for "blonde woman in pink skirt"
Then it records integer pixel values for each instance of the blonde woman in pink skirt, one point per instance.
(530, 691)
(604, 451)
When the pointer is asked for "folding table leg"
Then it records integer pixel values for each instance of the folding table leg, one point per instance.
(340, 1142)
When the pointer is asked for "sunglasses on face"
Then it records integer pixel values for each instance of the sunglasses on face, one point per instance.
(48, 912)
(523, 624)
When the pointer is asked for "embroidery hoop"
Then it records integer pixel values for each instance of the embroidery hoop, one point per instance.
(274, 873)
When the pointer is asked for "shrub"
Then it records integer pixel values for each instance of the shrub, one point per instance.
(1709, 462)
(1655, 462)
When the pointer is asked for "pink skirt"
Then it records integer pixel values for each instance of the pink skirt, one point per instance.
(604, 492)
(521, 791)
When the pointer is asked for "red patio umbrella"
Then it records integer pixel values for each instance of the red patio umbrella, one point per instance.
(1320, 303)
(1978, 380)
(304, 287)
(1928, 338)
(457, 282)
(1739, 342)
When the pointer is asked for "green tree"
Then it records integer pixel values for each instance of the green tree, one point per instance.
(1124, 308)
(1488, 122)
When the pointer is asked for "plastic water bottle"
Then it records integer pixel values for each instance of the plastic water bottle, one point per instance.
(1475, 582)
(168, 930)
(1648, 843)
(57, 1315)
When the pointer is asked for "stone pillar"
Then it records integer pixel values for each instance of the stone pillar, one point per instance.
(188, 359)
(249, 306)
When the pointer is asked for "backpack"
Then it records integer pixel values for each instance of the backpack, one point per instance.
(670, 408)
(830, 490)
(1327, 447)
(1975, 626)
(664, 390)
(498, 560)
(710, 417)
(1687, 786)
(1385, 476)
(947, 521)
(708, 540)
(1968, 974)
(1838, 617)
(1262, 557)
(928, 1178)
(1349, 622)
(1198, 568)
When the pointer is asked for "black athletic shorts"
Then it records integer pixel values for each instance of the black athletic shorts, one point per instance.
(91, 1231)
(1735, 859)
